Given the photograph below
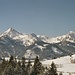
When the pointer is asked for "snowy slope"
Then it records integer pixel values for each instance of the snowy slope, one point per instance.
(63, 64)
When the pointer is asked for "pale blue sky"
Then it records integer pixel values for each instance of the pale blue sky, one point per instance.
(43, 17)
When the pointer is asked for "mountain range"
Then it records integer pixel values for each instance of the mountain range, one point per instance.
(29, 46)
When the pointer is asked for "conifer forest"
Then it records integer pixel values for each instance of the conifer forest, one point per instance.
(14, 67)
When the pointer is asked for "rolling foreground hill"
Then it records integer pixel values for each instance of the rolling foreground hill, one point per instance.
(65, 65)
(19, 44)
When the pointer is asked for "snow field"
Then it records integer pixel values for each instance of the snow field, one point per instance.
(63, 65)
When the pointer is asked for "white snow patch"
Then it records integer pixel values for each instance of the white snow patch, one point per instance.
(30, 54)
(55, 50)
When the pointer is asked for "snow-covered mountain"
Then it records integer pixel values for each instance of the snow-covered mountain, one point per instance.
(68, 37)
(29, 45)
(27, 39)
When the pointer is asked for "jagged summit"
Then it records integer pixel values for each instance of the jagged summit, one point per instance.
(11, 33)
(71, 35)
(72, 32)
(34, 35)
(11, 30)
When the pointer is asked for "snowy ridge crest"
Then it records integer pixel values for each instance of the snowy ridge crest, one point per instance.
(31, 38)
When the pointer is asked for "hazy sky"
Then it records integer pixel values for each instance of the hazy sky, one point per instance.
(43, 17)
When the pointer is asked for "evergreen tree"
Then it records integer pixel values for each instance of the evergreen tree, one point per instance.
(60, 73)
(9, 70)
(11, 59)
(28, 67)
(52, 70)
(19, 63)
(14, 68)
(3, 65)
(23, 66)
(37, 68)
(18, 70)
(23, 62)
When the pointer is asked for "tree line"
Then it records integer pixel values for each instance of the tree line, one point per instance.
(12, 67)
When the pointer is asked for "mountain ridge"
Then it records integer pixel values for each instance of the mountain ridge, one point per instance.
(12, 32)
(15, 43)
